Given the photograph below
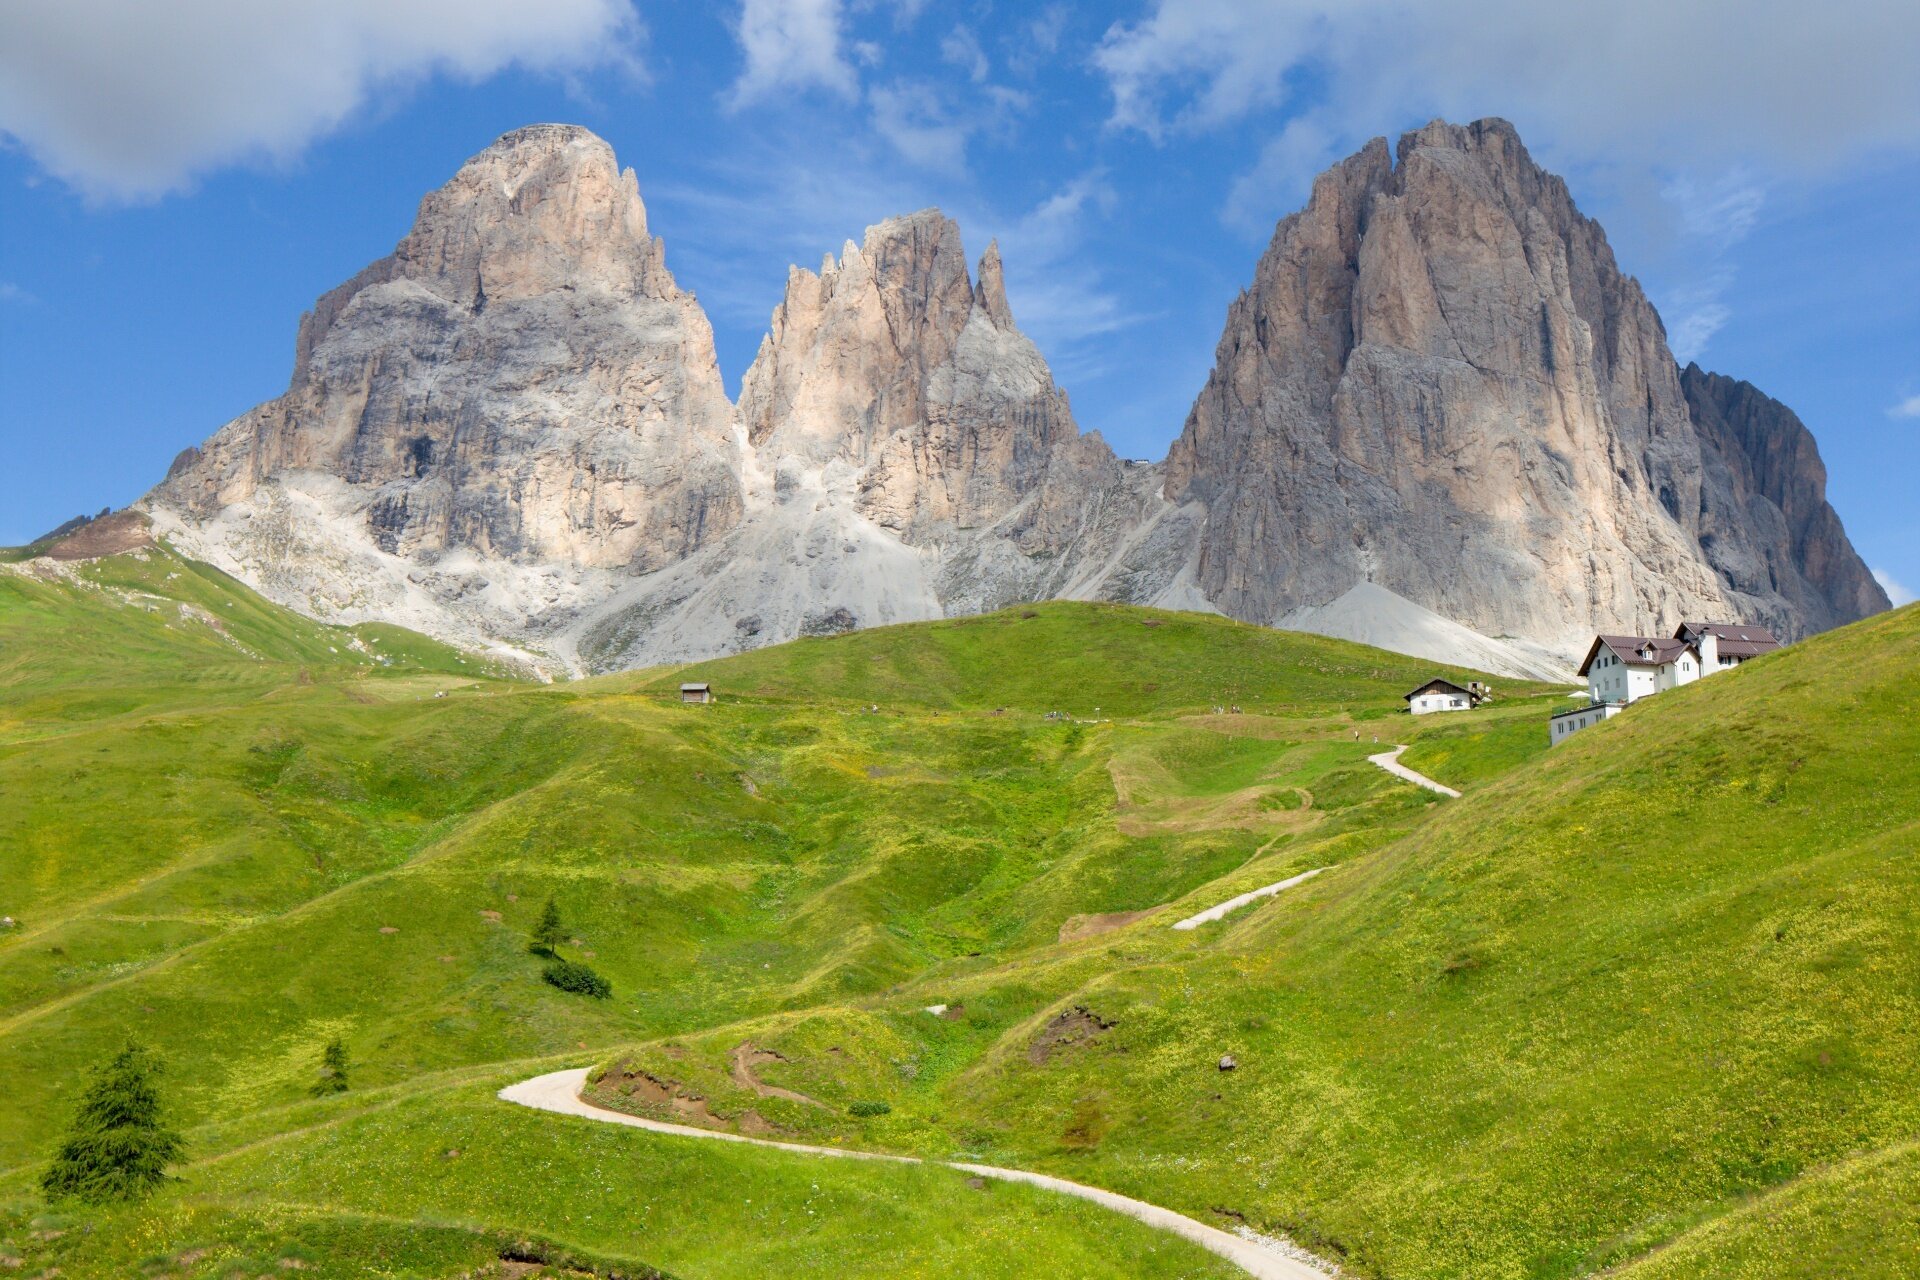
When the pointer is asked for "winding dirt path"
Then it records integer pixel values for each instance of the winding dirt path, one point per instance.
(559, 1091)
(1390, 761)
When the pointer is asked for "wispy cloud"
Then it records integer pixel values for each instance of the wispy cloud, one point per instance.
(128, 101)
(916, 122)
(1616, 83)
(791, 46)
(1907, 408)
(1029, 45)
(11, 292)
(1896, 591)
(961, 48)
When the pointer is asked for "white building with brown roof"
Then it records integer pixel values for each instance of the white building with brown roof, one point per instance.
(1624, 669)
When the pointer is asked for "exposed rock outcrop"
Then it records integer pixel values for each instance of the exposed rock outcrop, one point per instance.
(909, 457)
(1441, 419)
(1441, 383)
(1765, 524)
(518, 393)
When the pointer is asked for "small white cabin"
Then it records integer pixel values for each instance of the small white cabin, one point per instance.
(1439, 695)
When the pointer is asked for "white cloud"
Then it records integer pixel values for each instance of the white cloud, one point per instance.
(961, 48)
(1896, 592)
(913, 120)
(1281, 174)
(1760, 82)
(1689, 333)
(124, 99)
(11, 292)
(1907, 408)
(790, 46)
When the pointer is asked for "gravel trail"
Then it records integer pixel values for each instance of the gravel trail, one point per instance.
(559, 1091)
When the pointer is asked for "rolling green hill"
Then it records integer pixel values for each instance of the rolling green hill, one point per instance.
(1534, 1032)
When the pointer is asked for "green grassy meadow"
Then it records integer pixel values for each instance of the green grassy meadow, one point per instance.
(1641, 999)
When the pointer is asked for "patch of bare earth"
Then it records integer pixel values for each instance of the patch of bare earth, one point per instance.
(1069, 1029)
(663, 1099)
(1074, 928)
(1147, 802)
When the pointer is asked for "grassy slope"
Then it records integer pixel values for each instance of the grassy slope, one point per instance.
(237, 843)
(1621, 991)
(1624, 989)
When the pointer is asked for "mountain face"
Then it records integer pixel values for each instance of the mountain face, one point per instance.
(1441, 383)
(908, 456)
(518, 395)
(1440, 414)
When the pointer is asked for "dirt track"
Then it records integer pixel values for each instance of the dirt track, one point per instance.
(559, 1091)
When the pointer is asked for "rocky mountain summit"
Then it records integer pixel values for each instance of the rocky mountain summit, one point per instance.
(1441, 420)
(1441, 384)
(515, 404)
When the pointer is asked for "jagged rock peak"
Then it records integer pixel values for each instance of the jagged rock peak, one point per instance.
(520, 385)
(1441, 382)
(543, 207)
(1772, 482)
(892, 363)
(990, 288)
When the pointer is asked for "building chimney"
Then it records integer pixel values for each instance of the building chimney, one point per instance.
(1709, 646)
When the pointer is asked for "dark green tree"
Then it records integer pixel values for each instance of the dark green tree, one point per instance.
(118, 1147)
(549, 932)
(333, 1069)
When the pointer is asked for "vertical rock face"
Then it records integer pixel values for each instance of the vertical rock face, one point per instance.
(521, 381)
(1765, 524)
(1441, 383)
(909, 456)
(1440, 403)
(891, 367)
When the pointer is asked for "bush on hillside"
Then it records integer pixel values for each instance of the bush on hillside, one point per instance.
(571, 975)
(869, 1109)
(117, 1147)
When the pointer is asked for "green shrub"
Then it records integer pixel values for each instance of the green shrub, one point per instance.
(571, 975)
(869, 1109)
(117, 1148)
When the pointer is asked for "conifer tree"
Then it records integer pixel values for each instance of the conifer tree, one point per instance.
(117, 1147)
(333, 1069)
(549, 932)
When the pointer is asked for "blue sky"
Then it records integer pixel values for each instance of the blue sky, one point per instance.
(179, 182)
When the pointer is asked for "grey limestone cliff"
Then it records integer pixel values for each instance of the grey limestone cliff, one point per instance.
(1441, 383)
(1440, 413)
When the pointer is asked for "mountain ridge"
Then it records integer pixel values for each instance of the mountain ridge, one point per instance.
(510, 433)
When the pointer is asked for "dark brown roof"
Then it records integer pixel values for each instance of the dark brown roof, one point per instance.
(1735, 640)
(1436, 683)
(1637, 651)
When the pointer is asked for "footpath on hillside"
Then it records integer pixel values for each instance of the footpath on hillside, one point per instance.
(559, 1091)
(1390, 761)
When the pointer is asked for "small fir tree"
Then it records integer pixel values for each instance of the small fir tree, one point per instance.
(549, 932)
(117, 1147)
(333, 1069)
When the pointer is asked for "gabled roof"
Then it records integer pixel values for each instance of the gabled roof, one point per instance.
(1638, 651)
(1735, 640)
(1436, 684)
(695, 688)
